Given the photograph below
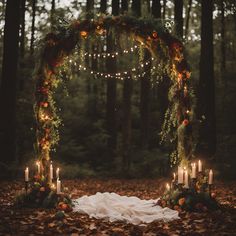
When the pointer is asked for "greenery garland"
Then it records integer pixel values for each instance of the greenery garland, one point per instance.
(165, 48)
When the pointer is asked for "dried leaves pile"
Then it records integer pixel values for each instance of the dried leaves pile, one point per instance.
(16, 221)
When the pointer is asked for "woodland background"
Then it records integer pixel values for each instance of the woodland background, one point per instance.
(112, 129)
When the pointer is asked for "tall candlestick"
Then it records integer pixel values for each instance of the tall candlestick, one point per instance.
(38, 166)
(194, 170)
(199, 166)
(180, 175)
(210, 180)
(186, 179)
(58, 186)
(57, 173)
(51, 172)
(26, 174)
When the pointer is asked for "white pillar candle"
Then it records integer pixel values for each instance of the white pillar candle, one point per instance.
(167, 187)
(194, 170)
(199, 166)
(57, 173)
(186, 179)
(38, 166)
(180, 175)
(58, 186)
(174, 177)
(26, 174)
(51, 172)
(210, 180)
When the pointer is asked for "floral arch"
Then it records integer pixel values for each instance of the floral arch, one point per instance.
(165, 48)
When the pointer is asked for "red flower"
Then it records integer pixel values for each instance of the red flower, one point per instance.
(185, 122)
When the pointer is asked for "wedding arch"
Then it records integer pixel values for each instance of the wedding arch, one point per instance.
(164, 47)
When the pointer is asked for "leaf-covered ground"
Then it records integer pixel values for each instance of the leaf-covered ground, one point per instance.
(15, 221)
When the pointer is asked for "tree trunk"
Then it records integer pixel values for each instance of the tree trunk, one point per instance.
(103, 6)
(9, 82)
(136, 7)
(178, 11)
(33, 27)
(52, 13)
(164, 9)
(206, 82)
(222, 43)
(22, 29)
(111, 90)
(115, 7)
(156, 8)
(187, 18)
(127, 122)
(124, 6)
(144, 102)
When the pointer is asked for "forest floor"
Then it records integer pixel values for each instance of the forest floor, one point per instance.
(15, 221)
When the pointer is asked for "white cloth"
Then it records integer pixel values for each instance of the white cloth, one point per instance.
(113, 207)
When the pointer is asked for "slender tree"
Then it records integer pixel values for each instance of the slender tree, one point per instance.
(34, 2)
(53, 12)
(178, 10)
(156, 8)
(189, 7)
(9, 81)
(124, 6)
(222, 43)
(136, 7)
(111, 90)
(145, 102)
(22, 28)
(103, 6)
(164, 9)
(206, 81)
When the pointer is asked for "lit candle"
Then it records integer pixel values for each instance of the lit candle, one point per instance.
(53, 187)
(57, 173)
(58, 186)
(51, 172)
(210, 180)
(186, 179)
(38, 166)
(194, 170)
(167, 187)
(199, 166)
(174, 176)
(26, 174)
(180, 175)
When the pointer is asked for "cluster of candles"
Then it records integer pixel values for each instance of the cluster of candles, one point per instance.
(58, 186)
(183, 175)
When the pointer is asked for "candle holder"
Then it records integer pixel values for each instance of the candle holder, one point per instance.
(26, 186)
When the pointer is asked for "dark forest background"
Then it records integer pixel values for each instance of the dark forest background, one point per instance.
(110, 127)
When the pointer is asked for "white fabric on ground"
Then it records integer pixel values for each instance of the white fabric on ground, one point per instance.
(114, 207)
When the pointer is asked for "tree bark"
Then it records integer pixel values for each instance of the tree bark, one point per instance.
(52, 13)
(164, 9)
(156, 8)
(124, 6)
(136, 7)
(115, 7)
(111, 90)
(33, 27)
(103, 6)
(9, 82)
(127, 122)
(222, 43)
(206, 82)
(187, 18)
(178, 16)
(22, 29)
(144, 102)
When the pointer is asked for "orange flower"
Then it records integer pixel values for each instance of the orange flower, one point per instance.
(181, 201)
(84, 34)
